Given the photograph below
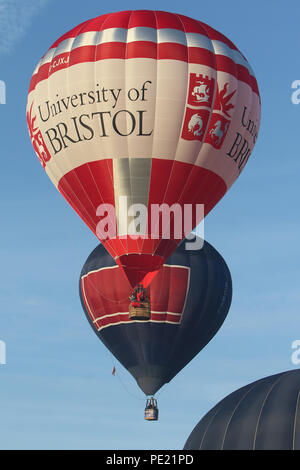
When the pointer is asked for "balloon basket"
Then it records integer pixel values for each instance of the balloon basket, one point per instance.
(143, 312)
(151, 410)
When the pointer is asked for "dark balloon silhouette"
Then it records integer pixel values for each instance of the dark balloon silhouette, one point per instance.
(263, 415)
(190, 298)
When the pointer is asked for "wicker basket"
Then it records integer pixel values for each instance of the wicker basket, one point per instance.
(151, 414)
(140, 313)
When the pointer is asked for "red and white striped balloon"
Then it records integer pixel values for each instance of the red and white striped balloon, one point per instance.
(150, 105)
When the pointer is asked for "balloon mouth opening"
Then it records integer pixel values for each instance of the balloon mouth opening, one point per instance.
(140, 268)
(150, 385)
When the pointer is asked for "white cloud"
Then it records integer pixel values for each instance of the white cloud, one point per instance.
(15, 19)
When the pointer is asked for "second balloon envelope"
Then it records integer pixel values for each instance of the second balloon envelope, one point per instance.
(190, 298)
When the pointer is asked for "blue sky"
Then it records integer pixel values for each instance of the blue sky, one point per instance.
(56, 390)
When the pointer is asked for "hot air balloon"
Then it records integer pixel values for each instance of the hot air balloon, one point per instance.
(143, 110)
(263, 415)
(190, 298)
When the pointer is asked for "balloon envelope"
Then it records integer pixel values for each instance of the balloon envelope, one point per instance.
(263, 415)
(190, 298)
(142, 108)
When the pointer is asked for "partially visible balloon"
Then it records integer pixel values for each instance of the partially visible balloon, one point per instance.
(263, 415)
(190, 298)
(142, 107)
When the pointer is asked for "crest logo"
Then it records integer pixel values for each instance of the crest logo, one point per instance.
(223, 100)
(37, 139)
(195, 124)
(201, 93)
(201, 90)
(218, 131)
(200, 97)
(220, 120)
